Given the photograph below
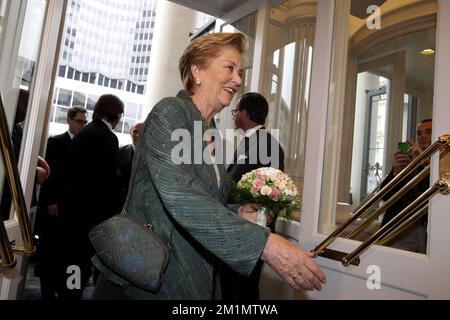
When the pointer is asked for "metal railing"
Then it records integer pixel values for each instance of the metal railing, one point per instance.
(404, 219)
(7, 248)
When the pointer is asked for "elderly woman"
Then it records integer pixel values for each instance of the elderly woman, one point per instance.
(186, 203)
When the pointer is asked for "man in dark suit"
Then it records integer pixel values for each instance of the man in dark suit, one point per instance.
(94, 187)
(48, 223)
(257, 149)
(126, 154)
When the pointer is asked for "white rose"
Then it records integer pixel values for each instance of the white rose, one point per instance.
(265, 190)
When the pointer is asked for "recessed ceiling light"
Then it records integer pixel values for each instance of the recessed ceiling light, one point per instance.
(427, 52)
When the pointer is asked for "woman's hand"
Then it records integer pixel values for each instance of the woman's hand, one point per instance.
(249, 211)
(293, 264)
(42, 170)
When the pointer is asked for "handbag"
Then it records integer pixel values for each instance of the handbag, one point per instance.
(130, 248)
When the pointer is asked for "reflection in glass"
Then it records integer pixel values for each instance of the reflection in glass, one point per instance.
(61, 115)
(22, 53)
(291, 40)
(78, 99)
(64, 97)
(381, 87)
(91, 100)
(247, 26)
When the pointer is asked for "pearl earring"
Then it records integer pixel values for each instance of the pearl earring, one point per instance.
(197, 81)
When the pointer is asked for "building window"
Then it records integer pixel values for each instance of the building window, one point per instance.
(62, 71)
(70, 73)
(78, 99)
(91, 100)
(92, 77)
(85, 77)
(64, 97)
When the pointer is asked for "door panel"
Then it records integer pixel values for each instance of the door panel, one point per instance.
(401, 274)
(384, 272)
(29, 35)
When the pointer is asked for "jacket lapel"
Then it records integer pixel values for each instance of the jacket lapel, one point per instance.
(205, 172)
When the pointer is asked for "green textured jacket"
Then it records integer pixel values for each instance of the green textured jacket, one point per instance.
(185, 198)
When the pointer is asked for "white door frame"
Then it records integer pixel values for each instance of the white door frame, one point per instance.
(40, 100)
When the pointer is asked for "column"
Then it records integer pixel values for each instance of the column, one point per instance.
(170, 37)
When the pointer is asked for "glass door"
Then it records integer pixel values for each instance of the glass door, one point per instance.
(28, 34)
(347, 50)
(374, 141)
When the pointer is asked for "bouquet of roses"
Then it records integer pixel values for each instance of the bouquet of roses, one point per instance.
(271, 188)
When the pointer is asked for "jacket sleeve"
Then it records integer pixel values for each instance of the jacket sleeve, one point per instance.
(226, 235)
(50, 192)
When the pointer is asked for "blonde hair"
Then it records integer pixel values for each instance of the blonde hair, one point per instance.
(204, 48)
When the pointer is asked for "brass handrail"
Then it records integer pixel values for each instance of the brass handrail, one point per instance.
(405, 218)
(442, 141)
(403, 225)
(13, 177)
(394, 224)
(422, 175)
(7, 261)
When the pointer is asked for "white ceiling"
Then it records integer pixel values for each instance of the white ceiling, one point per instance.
(419, 68)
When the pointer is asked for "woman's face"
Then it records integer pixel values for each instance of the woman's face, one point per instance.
(219, 80)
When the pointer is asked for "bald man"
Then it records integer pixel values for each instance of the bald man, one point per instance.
(126, 154)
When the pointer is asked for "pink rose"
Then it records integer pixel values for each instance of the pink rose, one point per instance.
(275, 195)
(257, 184)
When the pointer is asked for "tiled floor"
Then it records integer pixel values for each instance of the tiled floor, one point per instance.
(32, 289)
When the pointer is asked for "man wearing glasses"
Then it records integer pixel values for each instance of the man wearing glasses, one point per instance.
(257, 149)
(48, 223)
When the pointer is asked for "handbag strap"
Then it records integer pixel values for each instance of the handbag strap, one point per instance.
(136, 158)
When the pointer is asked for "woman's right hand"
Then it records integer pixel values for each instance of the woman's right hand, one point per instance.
(295, 265)
(248, 211)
